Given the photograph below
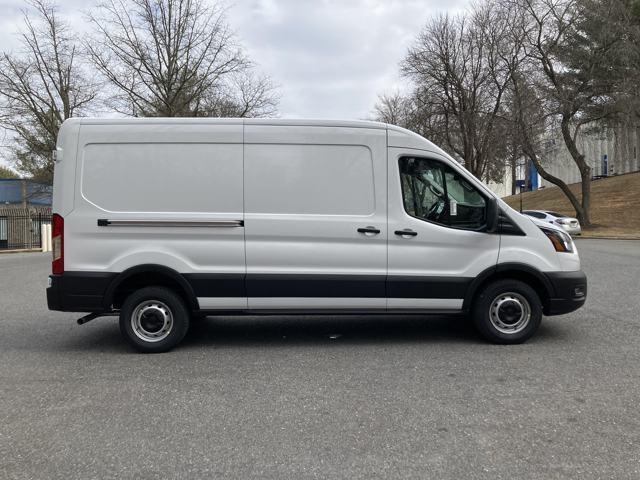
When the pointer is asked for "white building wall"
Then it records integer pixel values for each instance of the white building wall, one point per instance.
(502, 189)
(620, 144)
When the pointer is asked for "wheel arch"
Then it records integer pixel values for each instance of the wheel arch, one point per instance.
(517, 271)
(148, 275)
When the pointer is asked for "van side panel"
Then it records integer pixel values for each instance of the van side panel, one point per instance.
(159, 194)
(163, 178)
(308, 189)
(533, 248)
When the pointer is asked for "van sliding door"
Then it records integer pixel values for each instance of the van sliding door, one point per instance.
(315, 217)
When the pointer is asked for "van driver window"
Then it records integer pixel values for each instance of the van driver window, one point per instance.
(435, 192)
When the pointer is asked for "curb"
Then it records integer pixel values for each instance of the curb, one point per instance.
(582, 237)
(22, 250)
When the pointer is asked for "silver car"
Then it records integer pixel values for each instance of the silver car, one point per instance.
(569, 224)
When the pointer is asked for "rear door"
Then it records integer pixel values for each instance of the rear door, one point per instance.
(437, 245)
(315, 217)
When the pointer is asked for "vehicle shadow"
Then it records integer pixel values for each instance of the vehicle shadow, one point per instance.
(313, 331)
(321, 330)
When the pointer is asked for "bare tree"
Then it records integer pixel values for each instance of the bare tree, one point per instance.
(247, 96)
(41, 85)
(570, 78)
(411, 112)
(395, 109)
(174, 58)
(7, 172)
(531, 126)
(460, 66)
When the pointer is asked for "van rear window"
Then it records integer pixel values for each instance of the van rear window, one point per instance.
(163, 177)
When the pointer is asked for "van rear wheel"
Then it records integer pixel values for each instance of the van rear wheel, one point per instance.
(154, 319)
(507, 312)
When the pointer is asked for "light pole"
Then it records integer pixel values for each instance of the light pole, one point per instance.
(520, 198)
(521, 183)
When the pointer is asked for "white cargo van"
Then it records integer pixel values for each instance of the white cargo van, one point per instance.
(160, 220)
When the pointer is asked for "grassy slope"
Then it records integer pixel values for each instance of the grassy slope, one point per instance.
(615, 204)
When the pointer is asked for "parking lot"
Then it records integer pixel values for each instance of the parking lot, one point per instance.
(324, 397)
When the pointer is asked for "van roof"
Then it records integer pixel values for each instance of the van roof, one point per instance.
(231, 121)
(398, 136)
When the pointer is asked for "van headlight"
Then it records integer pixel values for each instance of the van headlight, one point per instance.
(561, 241)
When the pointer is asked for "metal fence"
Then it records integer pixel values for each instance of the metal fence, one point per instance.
(20, 231)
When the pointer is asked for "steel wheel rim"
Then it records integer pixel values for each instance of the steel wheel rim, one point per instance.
(152, 321)
(510, 313)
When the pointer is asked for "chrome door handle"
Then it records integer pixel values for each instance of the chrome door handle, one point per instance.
(407, 232)
(369, 229)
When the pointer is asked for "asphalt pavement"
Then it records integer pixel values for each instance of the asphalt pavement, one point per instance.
(324, 397)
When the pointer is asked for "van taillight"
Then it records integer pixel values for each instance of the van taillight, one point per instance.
(57, 244)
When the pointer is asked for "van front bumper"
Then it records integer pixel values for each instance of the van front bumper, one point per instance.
(71, 292)
(570, 292)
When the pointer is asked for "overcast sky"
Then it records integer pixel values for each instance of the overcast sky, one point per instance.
(331, 58)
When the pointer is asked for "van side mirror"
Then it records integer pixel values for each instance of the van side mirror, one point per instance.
(493, 215)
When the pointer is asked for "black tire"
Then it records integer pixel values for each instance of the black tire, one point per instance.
(512, 300)
(163, 314)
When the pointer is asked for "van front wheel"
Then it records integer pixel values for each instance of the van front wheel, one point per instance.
(507, 312)
(154, 319)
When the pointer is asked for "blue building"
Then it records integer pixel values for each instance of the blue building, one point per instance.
(24, 192)
(532, 177)
(527, 177)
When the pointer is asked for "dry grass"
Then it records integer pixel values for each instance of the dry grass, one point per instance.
(615, 205)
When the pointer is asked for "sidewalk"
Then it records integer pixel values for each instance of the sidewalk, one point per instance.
(22, 250)
(605, 237)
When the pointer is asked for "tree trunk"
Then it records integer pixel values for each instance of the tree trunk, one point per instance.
(514, 171)
(578, 207)
(585, 172)
(584, 217)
